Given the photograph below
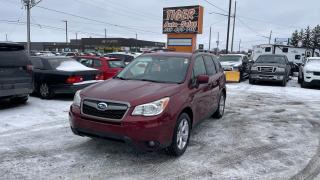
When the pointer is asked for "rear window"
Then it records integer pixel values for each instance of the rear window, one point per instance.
(11, 55)
(116, 64)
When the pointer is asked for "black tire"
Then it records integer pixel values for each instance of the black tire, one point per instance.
(304, 84)
(174, 148)
(299, 80)
(45, 92)
(284, 82)
(20, 100)
(251, 81)
(221, 106)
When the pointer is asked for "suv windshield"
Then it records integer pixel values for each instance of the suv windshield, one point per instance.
(162, 69)
(229, 58)
(271, 59)
(313, 60)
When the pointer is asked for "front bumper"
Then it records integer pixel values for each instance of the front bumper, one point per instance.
(267, 77)
(136, 130)
(311, 78)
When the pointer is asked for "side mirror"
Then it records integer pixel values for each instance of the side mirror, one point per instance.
(203, 79)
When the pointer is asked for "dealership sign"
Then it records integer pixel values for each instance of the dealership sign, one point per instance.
(187, 19)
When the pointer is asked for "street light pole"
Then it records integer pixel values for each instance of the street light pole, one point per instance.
(234, 24)
(228, 30)
(66, 31)
(210, 39)
(28, 27)
(105, 32)
(6, 37)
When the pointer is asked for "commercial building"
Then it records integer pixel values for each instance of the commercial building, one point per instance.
(96, 45)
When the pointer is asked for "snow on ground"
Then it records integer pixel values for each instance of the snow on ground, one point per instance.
(268, 132)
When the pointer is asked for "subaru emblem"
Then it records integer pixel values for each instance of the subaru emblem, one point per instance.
(102, 106)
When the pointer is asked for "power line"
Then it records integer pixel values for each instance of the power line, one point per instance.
(94, 20)
(215, 6)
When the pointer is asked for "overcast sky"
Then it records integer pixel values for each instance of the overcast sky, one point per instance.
(144, 17)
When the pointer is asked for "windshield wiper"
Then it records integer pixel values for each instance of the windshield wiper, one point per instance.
(155, 81)
(117, 77)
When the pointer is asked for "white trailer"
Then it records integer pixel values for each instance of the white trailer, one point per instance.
(294, 54)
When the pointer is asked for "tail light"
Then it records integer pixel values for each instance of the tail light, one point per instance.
(74, 79)
(99, 77)
(29, 68)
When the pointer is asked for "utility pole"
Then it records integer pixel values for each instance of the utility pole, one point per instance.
(105, 32)
(210, 39)
(270, 37)
(6, 37)
(234, 24)
(66, 30)
(136, 36)
(28, 5)
(218, 42)
(240, 46)
(228, 30)
(76, 37)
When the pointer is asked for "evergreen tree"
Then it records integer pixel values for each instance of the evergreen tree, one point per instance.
(295, 38)
(307, 40)
(315, 38)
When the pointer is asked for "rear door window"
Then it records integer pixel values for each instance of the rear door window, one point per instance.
(13, 56)
(97, 63)
(199, 67)
(116, 64)
(211, 69)
(86, 62)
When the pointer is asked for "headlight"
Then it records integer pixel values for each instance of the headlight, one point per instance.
(151, 109)
(281, 70)
(77, 99)
(254, 68)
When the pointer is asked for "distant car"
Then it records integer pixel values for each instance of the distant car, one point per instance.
(61, 75)
(70, 54)
(108, 66)
(236, 62)
(125, 57)
(272, 68)
(46, 53)
(309, 73)
(15, 73)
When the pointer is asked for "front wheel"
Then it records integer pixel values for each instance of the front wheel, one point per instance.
(284, 82)
(220, 111)
(181, 136)
(304, 84)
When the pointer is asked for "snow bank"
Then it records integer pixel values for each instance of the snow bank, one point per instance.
(71, 66)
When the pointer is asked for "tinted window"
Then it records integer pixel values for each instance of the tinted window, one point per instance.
(211, 70)
(37, 63)
(217, 64)
(271, 59)
(97, 63)
(13, 55)
(199, 67)
(116, 64)
(268, 49)
(86, 62)
(298, 57)
(285, 50)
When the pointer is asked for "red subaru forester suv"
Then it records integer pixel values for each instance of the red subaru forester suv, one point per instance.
(154, 102)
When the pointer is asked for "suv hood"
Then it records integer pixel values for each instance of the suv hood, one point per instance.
(230, 63)
(313, 66)
(269, 64)
(131, 91)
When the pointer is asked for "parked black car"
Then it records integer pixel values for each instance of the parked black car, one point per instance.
(15, 73)
(61, 75)
(274, 68)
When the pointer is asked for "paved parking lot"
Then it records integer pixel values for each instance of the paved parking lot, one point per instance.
(268, 132)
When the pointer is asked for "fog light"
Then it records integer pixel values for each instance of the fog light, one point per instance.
(151, 143)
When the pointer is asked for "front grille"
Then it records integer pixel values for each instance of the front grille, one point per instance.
(267, 69)
(114, 111)
(316, 73)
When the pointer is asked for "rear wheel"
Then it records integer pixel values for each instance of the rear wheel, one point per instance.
(220, 111)
(45, 92)
(181, 136)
